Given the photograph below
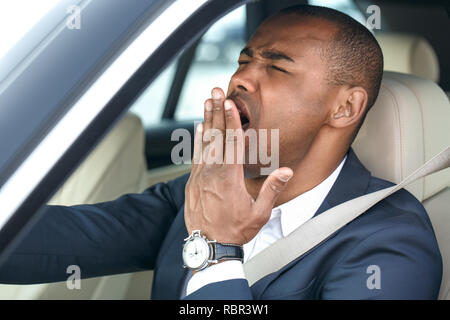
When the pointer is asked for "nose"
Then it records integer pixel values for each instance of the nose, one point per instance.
(244, 79)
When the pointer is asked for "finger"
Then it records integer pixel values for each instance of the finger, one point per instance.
(218, 121)
(197, 156)
(232, 118)
(271, 189)
(207, 123)
(213, 151)
(234, 138)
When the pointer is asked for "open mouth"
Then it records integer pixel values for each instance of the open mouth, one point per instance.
(243, 113)
(244, 121)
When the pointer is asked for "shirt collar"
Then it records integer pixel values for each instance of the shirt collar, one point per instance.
(303, 207)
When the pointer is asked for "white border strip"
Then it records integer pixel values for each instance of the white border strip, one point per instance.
(62, 136)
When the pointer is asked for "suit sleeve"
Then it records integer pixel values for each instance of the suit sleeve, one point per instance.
(399, 262)
(107, 238)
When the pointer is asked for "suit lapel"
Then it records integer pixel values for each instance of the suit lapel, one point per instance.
(352, 182)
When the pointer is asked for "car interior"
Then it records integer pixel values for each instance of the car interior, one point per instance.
(408, 124)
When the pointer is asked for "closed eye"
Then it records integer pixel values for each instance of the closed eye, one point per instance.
(272, 66)
(278, 69)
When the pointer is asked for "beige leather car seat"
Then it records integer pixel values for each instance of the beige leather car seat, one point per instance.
(408, 125)
(407, 53)
(115, 167)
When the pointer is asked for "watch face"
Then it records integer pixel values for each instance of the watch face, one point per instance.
(195, 252)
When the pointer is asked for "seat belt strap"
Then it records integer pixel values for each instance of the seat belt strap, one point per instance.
(318, 229)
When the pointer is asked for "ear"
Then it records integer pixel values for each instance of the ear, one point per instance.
(349, 107)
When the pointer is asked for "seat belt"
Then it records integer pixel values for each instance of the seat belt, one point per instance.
(318, 229)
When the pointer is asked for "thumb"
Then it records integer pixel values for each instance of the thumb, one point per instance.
(272, 187)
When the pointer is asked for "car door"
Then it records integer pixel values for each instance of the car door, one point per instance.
(69, 81)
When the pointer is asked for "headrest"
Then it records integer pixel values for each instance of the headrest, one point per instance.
(407, 125)
(409, 54)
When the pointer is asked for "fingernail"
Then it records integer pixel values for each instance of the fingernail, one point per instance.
(208, 105)
(285, 175)
(227, 105)
(216, 94)
(200, 127)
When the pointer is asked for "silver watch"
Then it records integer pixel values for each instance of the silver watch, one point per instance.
(199, 252)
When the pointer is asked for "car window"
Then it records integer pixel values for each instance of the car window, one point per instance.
(78, 82)
(150, 104)
(214, 63)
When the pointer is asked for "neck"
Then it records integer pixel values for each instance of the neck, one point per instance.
(313, 168)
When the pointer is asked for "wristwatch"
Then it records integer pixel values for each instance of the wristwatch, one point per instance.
(199, 252)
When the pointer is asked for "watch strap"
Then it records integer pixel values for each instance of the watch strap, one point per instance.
(228, 251)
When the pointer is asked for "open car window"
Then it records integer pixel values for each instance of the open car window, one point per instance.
(214, 62)
(74, 95)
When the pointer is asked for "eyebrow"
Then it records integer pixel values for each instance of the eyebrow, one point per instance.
(268, 54)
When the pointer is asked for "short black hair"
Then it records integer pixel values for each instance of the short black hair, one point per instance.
(353, 56)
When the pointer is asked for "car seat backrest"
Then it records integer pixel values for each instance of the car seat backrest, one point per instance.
(409, 54)
(408, 125)
(115, 167)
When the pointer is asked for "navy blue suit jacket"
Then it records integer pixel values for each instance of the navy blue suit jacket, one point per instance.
(393, 241)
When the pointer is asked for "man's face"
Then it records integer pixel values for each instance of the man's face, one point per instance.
(281, 81)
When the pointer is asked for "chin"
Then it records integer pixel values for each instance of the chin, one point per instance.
(252, 171)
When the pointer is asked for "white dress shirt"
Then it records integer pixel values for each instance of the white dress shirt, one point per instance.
(284, 219)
